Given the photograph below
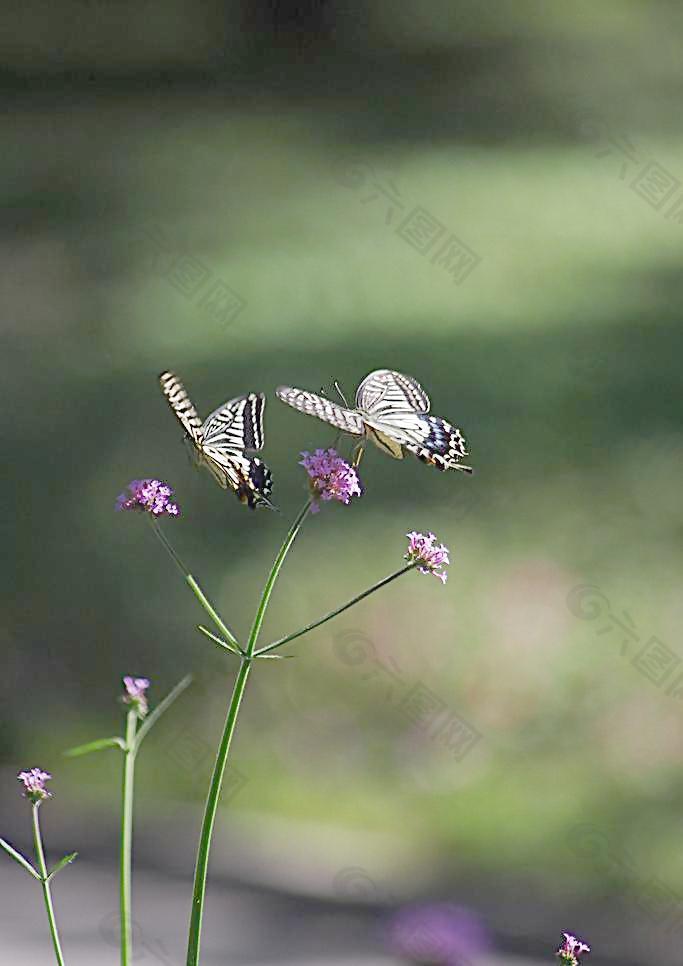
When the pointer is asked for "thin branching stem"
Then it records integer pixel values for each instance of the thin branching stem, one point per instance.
(126, 845)
(335, 612)
(215, 787)
(194, 586)
(45, 882)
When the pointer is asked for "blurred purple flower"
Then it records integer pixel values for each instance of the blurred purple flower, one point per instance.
(135, 694)
(151, 496)
(330, 477)
(571, 949)
(429, 557)
(439, 934)
(34, 784)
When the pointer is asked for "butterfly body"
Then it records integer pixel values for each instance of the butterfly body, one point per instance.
(221, 441)
(392, 410)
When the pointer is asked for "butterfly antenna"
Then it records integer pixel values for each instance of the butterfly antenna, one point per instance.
(341, 394)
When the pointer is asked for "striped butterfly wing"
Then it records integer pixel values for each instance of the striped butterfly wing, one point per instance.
(248, 476)
(220, 441)
(237, 424)
(393, 407)
(387, 390)
(180, 403)
(307, 402)
(444, 446)
(229, 431)
(396, 408)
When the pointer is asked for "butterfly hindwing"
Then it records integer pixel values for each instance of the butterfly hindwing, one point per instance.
(444, 446)
(260, 483)
(248, 476)
(221, 440)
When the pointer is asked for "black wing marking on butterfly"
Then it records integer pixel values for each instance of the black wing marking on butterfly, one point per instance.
(237, 424)
(444, 446)
(248, 476)
(396, 405)
(307, 402)
(221, 440)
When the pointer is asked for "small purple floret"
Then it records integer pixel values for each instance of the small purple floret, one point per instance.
(151, 496)
(571, 949)
(428, 556)
(34, 784)
(330, 477)
(135, 694)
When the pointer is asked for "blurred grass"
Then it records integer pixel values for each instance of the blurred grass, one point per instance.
(559, 356)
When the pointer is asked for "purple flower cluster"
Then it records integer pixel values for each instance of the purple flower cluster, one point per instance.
(135, 694)
(34, 784)
(150, 496)
(429, 558)
(442, 934)
(571, 949)
(330, 477)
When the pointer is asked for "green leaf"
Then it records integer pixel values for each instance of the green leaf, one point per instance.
(219, 641)
(18, 857)
(164, 705)
(98, 745)
(67, 860)
(274, 657)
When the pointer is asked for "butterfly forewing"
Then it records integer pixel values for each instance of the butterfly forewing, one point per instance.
(387, 391)
(180, 403)
(237, 424)
(307, 402)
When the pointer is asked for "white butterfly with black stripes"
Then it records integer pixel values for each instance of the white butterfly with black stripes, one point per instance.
(393, 411)
(220, 441)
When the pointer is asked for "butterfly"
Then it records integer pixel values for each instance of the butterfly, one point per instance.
(393, 411)
(220, 441)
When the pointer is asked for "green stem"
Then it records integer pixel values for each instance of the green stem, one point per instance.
(196, 589)
(166, 543)
(127, 838)
(215, 617)
(42, 868)
(335, 612)
(202, 863)
(272, 577)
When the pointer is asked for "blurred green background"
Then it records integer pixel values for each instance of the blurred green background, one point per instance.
(153, 151)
